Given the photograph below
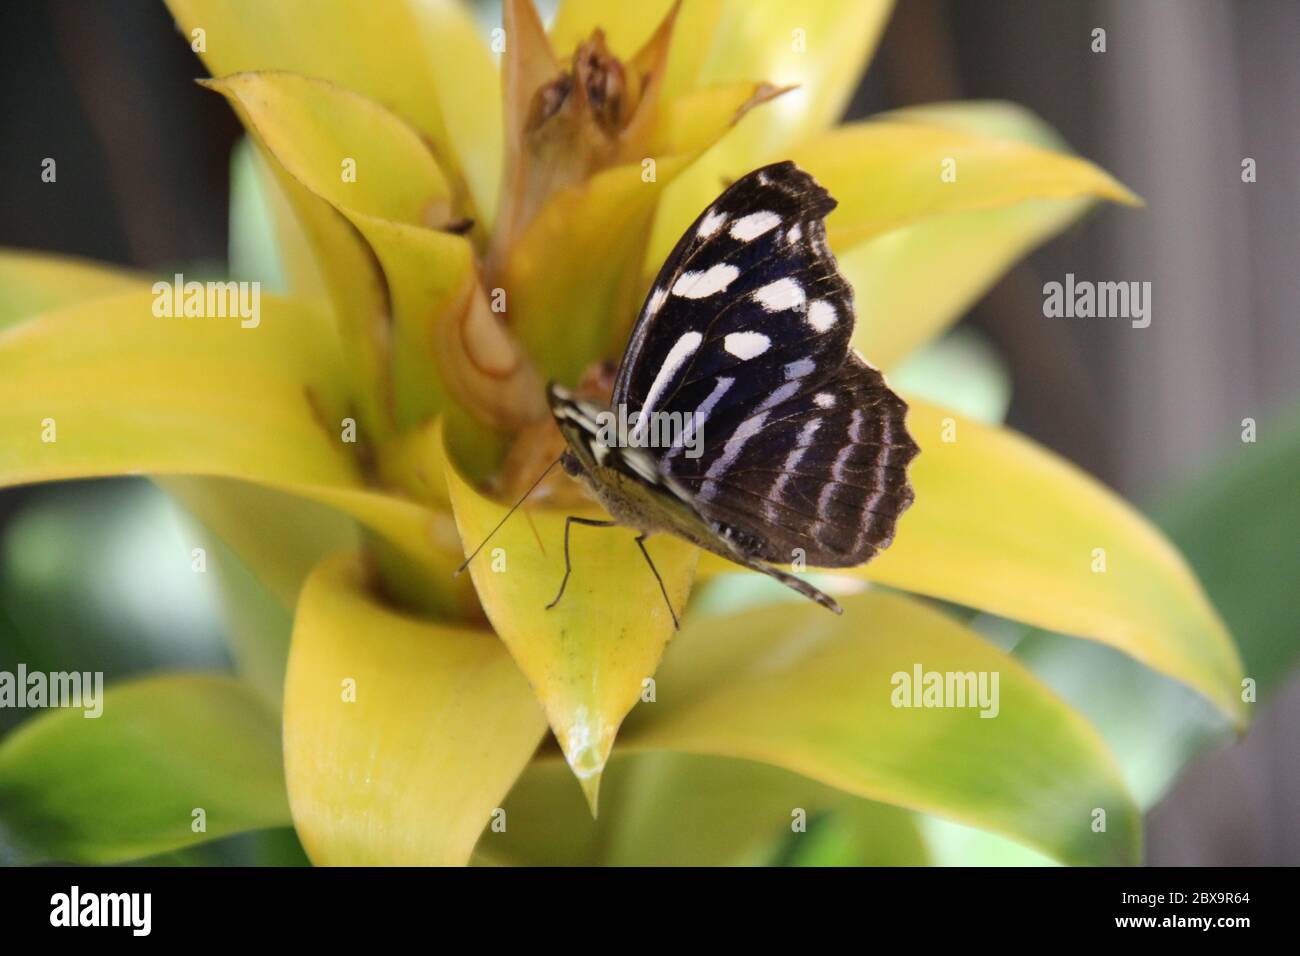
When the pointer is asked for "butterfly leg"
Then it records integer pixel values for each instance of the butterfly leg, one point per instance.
(568, 567)
(640, 543)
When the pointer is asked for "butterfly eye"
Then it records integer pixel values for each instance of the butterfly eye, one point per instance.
(570, 463)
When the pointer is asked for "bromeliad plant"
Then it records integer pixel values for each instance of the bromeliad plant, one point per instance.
(452, 235)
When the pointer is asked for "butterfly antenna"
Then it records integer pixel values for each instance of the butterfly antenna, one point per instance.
(513, 507)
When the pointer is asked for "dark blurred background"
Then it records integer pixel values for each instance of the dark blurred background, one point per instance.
(1184, 92)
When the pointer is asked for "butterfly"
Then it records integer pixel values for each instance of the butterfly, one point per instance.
(789, 447)
(800, 447)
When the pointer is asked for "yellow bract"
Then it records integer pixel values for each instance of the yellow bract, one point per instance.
(796, 686)
(588, 658)
(426, 61)
(400, 736)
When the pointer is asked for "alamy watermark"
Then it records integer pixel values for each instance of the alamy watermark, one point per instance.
(946, 689)
(209, 300)
(36, 689)
(1083, 299)
(617, 428)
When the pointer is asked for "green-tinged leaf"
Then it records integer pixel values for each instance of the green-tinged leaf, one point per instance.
(280, 537)
(863, 833)
(1002, 524)
(586, 658)
(422, 59)
(899, 305)
(886, 174)
(131, 782)
(400, 736)
(206, 397)
(33, 282)
(1238, 527)
(663, 809)
(820, 695)
(261, 545)
(411, 311)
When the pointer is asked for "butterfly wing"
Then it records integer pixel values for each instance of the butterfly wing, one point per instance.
(746, 334)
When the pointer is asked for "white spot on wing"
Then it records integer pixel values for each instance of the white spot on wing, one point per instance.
(710, 224)
(794, 234)
(781, 295)
(754, 225)
(682, 350)
(799, 368)
(824, 400)
(698, 285)
(822, 315)
(656, 301)
(746, 345)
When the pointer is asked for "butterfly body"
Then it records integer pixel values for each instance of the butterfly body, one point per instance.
(790, 449)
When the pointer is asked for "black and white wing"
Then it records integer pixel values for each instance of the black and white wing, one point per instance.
(746, 333)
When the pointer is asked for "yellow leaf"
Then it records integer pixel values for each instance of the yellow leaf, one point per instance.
(588, 657)
(32, 282)
(819, 49)
(107, 388)
(899, 306)
(1003, 525)
(885, 174)
(400, 736)
(827, 697)
(424, 60)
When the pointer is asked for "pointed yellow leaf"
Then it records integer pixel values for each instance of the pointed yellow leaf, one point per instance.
(1004, 525)
(587, 658)
(827, 697)
(821, 48)
(899, 305)
(885, 174)
(424, 59)
(107, 388)
(400, 736)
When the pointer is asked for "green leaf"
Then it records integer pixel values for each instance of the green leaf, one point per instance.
(802, 689)
(1238, 527)
(663, 809)
(127, 784)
